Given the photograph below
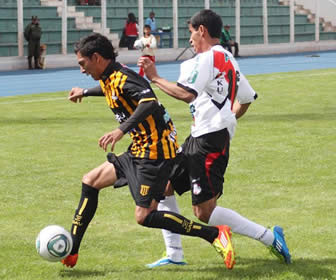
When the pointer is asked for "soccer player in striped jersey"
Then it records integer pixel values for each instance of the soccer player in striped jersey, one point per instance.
(149, 159)
(209, 83)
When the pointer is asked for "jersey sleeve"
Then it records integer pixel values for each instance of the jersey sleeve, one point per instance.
(196, 73)
(246, 93)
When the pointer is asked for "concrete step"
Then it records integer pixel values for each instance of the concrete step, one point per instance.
(51, 3)
(82, 21)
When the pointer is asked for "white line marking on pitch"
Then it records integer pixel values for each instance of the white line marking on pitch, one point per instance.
(33, 100)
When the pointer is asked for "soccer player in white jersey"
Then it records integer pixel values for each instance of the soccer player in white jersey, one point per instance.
(209, 83)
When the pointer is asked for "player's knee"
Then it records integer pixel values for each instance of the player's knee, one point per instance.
(141, 214)
(88, 180)
(140, 218)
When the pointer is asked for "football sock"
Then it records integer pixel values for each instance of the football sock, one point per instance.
(241, 225)
(179, 224)
(172, 240)
(84, 213)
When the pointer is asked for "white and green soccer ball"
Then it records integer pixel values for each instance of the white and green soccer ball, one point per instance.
(54, 243)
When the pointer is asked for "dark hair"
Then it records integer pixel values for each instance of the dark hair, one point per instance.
(95, 43)
(131, 18)
(147, 26)
(208, 19)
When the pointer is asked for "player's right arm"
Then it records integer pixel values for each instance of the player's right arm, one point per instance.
(76, 94)
(170, 88)
(245, 96)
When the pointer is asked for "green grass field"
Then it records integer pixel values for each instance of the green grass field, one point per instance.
(281, 171)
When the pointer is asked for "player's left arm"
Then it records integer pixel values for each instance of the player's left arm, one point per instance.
(166, 86)
(143, 110)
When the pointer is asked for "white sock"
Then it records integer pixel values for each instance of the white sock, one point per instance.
(172, 240)
(241, 225)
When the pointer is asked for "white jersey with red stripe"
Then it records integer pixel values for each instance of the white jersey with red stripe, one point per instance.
(213, 78)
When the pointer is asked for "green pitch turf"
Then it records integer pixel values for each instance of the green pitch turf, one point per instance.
(281, 171)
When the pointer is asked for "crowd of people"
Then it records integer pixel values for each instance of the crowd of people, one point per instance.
(130, 34)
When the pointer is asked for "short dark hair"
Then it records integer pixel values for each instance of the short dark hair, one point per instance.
(147, 26)
(208, 19)
(95, 43)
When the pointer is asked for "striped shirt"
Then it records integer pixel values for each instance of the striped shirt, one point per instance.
(153, 138)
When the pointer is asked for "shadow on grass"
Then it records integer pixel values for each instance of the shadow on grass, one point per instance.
(79, 273)
(307, 269)
(250, 268)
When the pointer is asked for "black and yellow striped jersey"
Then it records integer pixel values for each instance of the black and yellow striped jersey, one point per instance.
(124, 90)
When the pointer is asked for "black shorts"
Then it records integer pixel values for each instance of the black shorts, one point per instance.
(147, 179)
(201, 165)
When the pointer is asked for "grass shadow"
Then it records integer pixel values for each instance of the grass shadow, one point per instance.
(81, 273)
(252, 268)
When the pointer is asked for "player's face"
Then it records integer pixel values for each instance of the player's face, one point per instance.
(195, 39)
(88, 65)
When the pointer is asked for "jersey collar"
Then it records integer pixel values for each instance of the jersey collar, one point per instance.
(113, 66)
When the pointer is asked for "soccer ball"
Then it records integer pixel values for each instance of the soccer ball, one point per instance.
(54, 243)
(138, 45)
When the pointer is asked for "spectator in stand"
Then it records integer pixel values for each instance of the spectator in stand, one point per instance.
(227, 42)
(148, 43)
(131, 30)
(151, 21)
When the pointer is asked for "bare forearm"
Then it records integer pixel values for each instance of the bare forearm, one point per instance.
(173, 90)
(240, 109)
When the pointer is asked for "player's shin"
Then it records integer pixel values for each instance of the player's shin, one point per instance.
(172, 240)
(179, 224)
(84, 213)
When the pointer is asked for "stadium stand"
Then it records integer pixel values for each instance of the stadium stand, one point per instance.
(251, 31)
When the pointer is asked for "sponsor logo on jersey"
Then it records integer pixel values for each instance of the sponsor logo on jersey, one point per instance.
(120, 117)
(144, 190)
(193, 76)
(196, 187)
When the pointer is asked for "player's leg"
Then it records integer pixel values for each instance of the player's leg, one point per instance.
(148, 188)
(98, 178)
(173, 242)
(174, 251)
(206, 209)
(219, 236)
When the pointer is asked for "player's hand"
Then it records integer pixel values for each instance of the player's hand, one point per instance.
(111, 137)
(149, 67)
(76, 94)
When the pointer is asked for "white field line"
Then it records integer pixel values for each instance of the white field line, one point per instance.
(275, 77)
(32, 100)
